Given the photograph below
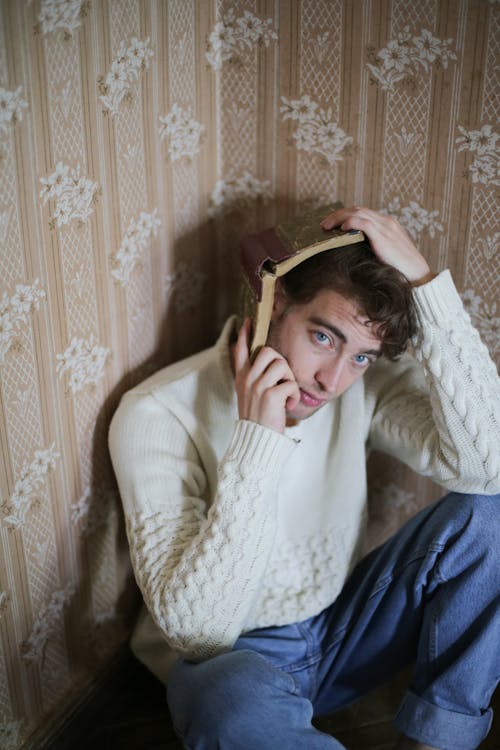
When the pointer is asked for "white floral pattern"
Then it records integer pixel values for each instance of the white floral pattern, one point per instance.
(406, 141)
(490, 245)
(183, 131)
(407, 55)
(485, 318)
(5, 216)
(133, 245)
(61, 14)
(185, 286)
(73, 194)
(33, 648)
(390, 505)
(485, 167)
(52, 74)
(15, 312)
(10, 734)
(41, 551)
(21, 401)
(108, 629)
(321, 43)
(232, 35)
(237, 114)
(27, 487)
(415, 219)
(11, 109)
(85, 362)
(316, 132)
(131, 59)
(80, 509)
(91, 511)
(391, 497)
(235, 193)
(63, 98)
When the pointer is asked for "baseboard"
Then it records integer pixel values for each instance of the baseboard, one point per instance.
(62, 731)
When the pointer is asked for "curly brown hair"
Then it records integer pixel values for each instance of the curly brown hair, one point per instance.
(380, 291)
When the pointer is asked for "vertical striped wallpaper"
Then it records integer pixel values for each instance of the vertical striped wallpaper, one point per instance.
(139, 140)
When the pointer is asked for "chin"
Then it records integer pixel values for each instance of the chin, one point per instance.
(302, 412)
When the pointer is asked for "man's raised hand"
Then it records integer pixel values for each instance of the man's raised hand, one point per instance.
(389, 241)
(266, 387)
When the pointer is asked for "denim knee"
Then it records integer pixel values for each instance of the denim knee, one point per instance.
(200, 693)
(458, 662)
(472, 523)
(214, 699)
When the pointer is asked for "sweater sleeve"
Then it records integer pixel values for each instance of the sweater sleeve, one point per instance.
(198, 552)
(441, 414)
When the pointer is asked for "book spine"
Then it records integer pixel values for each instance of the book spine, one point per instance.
(247, 302)
(257, 251)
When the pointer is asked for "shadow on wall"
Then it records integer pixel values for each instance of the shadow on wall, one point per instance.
(189, 323)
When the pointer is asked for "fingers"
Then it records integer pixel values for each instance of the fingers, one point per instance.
(241, 356)
(292, 398)
(264, 387)
(268, 366)
(337, 217)
(330, 221)
(268, 408)
(375, 225)
(354, 217)
(388, 239)
(268, 369)
(287, 394)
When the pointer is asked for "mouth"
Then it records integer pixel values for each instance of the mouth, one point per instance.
(309, 400)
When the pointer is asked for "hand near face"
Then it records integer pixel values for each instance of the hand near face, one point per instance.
(266, 387)
(389, 241)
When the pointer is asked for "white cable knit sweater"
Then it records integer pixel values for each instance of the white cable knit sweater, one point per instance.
(234, 526)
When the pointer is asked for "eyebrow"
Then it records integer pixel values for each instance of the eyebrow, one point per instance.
(341, 335)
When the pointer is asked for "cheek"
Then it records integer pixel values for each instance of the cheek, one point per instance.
(284, 343)
(350, 377)
(308, 375)
(300, 363)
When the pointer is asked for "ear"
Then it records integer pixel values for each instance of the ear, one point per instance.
(280, 301)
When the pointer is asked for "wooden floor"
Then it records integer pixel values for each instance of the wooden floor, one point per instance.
(127, 711)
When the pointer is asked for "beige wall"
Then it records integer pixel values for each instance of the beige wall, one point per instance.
(138, 141)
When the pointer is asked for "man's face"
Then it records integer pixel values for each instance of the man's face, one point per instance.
(328, 344)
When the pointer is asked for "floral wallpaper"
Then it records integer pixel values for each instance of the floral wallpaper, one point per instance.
(139, 141)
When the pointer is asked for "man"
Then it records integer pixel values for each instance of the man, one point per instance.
(244, 490)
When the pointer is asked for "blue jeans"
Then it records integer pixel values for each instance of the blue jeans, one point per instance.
(430, 596)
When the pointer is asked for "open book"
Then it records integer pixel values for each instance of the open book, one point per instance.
(269, 254)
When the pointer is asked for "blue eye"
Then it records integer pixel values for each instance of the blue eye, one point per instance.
(321, 337)
(361, 359)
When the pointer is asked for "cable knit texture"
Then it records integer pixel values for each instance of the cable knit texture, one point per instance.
(454, 423)
(233, 526)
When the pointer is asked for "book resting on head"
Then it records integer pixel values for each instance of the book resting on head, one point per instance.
(273, 252)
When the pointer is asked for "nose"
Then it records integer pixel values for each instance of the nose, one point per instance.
(330, 377)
